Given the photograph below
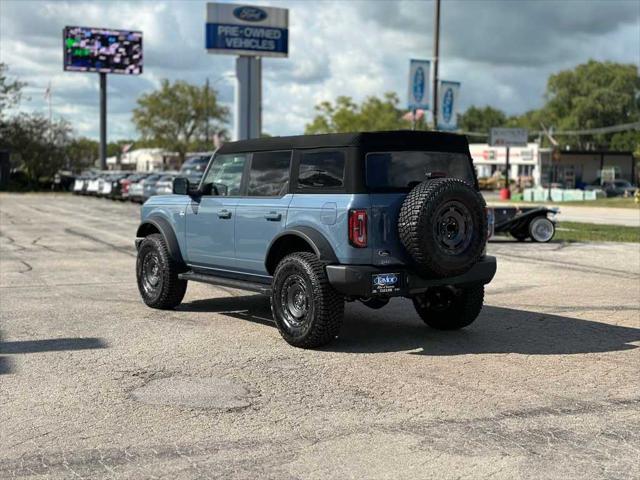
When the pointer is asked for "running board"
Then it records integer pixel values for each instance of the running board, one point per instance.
(262, 288)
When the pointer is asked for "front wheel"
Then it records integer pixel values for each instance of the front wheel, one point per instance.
(448, 308)
(307, 310)
(157, 274)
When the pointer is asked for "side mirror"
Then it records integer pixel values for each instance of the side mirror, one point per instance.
(180, 186)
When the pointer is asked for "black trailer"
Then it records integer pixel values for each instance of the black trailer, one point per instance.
(537, 223)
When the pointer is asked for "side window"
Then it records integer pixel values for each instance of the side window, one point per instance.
(321, 170)
(269, 174)
(226, 173)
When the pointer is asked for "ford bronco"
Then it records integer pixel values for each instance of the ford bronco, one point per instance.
(317, 220)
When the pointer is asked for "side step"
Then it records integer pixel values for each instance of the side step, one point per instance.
(261, 288)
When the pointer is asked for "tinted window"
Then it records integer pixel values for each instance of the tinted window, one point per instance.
(403, 170)
(226, 173)
(321, 170)
(269, 175)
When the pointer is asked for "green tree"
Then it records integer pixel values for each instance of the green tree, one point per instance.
(592, 95)
(10, 90)
(37, 147)
(481, 119)
(81, 153)
(177, 115)
(347, 116)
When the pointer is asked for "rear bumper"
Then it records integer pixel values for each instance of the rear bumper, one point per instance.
(357, 280)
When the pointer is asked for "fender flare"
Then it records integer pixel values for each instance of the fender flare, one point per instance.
(166, 230)
(318, 242)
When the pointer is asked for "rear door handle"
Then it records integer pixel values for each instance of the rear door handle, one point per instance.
(226, 214)
(273, 216)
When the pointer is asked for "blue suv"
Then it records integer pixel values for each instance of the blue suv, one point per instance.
(317, 220)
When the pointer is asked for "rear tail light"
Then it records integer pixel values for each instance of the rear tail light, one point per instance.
(358, 228)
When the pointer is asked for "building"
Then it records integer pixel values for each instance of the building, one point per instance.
(145, 160)
(530, 165)
(526, 163)
(577, 168)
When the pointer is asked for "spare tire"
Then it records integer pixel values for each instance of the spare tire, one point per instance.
(443, 227)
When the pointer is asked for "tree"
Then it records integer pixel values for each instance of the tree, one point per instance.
(592, 95)
(347, 116)
(38, 146)
(81, 153)
(10, 91)
(481, 119)
(177, 115)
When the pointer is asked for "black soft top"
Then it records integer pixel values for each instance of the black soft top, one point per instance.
(365, 141)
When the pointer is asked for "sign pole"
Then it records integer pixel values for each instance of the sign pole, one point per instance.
(103, 121)
(248, 97)
(436, 53)
(506, 180)
(413, 119)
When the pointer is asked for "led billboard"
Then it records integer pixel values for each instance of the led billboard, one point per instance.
(102, 50)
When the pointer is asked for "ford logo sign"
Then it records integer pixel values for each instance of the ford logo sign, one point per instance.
(447, 105)
(250, 14)
(418, 85)
(385, 280)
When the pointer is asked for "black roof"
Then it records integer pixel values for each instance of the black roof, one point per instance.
(368, 141)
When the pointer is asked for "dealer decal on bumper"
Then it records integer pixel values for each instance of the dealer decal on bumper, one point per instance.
(385, 283)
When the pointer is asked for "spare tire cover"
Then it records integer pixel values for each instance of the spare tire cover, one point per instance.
(443, 227)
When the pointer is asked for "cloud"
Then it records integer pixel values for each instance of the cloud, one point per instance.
(501, 51)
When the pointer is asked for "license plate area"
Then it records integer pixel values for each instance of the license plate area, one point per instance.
(386, 283)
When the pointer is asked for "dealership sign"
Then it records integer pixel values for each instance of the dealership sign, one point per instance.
(247, 30)
(448, 93)
(508, 137)
(419, 71)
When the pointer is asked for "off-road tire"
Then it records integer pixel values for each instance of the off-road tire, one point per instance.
(463, 309)
(322, 318)
(169, 290)
(422, 232)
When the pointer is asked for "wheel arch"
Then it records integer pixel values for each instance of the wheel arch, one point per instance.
(157, 224)
(305, 239)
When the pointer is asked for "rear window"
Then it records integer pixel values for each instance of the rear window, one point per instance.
(403, 170)
(321, 170)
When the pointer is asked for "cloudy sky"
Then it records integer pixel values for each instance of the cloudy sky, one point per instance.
(502, 51)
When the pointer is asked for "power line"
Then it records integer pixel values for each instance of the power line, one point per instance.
(623, 127)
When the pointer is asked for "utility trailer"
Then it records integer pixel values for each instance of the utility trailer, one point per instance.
(536, 223)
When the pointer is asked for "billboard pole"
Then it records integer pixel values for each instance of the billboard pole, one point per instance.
(436, 54)
(103, 121)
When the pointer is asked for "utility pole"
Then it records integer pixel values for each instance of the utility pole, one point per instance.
(103, 121)
(206, 112)
(436, 56)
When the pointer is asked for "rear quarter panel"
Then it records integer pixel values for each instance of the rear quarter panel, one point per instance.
(328, 214)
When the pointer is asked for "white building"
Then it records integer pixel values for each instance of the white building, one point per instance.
(526, 163)
(145, 160)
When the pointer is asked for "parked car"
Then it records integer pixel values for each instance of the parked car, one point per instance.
(93, 185)
(164, 185)
(127, 183)
(314, 221)
(194, 166)
(136, 189)
(149, 186)
(614, 188)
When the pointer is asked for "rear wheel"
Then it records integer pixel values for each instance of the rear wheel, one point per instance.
(448, 308)
(157, 274)
(542, 229)
(307, 310)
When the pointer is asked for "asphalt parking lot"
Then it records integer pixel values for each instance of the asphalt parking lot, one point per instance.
(93, 384)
